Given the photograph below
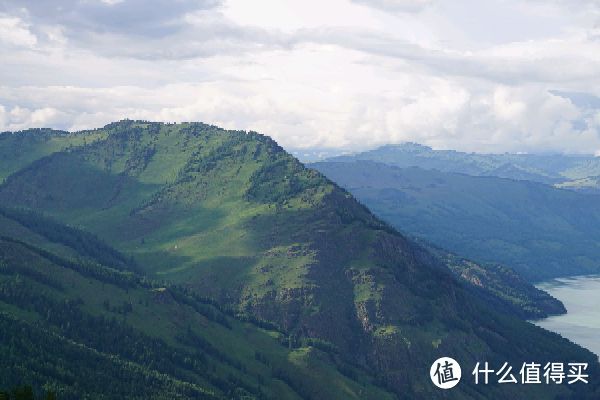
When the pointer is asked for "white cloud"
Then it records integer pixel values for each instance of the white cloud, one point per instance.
(18, 118)
(397, 5)
(330, 74)
(14, 32)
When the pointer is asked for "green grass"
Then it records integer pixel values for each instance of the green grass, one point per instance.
(17, 151)
(156, 315)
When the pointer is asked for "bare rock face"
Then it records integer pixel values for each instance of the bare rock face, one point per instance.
(162, 296)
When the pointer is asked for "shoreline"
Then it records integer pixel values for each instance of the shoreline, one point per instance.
(581, 323)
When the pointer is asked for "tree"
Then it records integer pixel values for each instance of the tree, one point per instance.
(23, 393)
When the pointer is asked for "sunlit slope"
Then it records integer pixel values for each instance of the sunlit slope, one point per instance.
(16, 151)
(75, 326)
(232, 216)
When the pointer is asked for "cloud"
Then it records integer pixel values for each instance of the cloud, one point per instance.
(163, 29)
(154, 18)
(14, 32)
(395, 6)
(579, 99)
(433, 111)
(543, 61)
(335, 75)
(18, 118)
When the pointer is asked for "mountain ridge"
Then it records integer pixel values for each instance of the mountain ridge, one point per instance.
(235, 218)
(563, 170)
(73, 326)
(539, 231)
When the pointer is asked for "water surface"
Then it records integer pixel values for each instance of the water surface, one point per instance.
(581, 297)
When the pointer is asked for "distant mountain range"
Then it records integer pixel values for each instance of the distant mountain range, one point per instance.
(314, 154)
(208, 263)
(578, 172)
(540, 231)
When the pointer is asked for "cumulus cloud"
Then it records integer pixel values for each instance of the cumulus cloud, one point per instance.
(342, 74)
(157, 29)
(14, 32)
(437, 112)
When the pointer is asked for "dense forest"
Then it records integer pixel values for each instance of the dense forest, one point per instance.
(539, 231)
(72, 327)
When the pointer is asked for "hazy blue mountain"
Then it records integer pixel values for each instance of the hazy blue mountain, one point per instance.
(538, 230)
(589, 184)
(544, 168)
(314, 154)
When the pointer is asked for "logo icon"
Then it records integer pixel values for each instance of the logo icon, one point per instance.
(445, 373)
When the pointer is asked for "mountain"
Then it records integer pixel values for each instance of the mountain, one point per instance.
(231, 217)
(554, 169)
(589, 184)
(314, 154)
(539, 231)
(76, 321)
(16, 151)
(499, 285)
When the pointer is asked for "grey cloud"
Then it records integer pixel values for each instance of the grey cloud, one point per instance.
(159, 32)
(116, 63)
(153, 18)
(502, 69)
(145, 30)
(203, 39)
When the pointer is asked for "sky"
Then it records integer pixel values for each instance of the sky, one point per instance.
(471, 75)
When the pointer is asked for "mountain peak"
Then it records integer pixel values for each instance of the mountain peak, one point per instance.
(231, 216)
(407, 147)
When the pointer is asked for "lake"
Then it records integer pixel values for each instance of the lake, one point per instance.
(581, 297)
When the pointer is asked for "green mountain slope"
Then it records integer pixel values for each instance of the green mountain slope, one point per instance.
(568, 170)
(16, 151)
(539, 231)
(231, 216)
(76, 327)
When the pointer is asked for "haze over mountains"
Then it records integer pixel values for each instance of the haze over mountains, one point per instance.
(262, 278)
(506, 208)
(538, 230)
(572, 171)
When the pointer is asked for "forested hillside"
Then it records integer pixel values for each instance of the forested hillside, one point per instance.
(73, 326)
(230, 216)
(539, 231)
